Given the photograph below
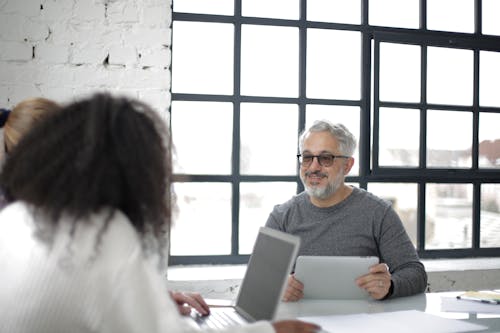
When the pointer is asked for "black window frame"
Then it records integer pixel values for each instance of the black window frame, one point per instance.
(369, 170)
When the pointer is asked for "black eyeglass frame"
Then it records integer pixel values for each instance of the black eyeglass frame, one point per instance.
(300, 157)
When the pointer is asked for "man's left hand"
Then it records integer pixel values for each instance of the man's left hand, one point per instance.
(377, 282)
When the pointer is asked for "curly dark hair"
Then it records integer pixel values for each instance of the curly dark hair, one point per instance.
(99, 152)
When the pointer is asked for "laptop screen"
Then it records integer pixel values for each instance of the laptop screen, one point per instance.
(267, 271)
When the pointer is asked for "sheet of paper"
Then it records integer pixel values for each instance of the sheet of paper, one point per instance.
(411, 321)
(452, 304)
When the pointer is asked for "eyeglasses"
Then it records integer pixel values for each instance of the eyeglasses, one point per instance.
(324, 160)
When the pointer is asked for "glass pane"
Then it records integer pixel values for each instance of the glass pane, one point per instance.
(349, 116)
(449, 76)
(489, 140)
(256, 203)
(195, 143)
(450, 15)
(399, 137)
(222, 7)
(490, 215)
(449, 146)
(491, 23)
(404, 201)
(333, 64)
(261, 154)
(448, 216)
(394, 13)
(202, 58)
(489, 78)
(399, 72)
(281, 9)
(269, 61)
(202, 209)
(336, 11)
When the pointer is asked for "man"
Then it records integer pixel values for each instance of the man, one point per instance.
(333, 218)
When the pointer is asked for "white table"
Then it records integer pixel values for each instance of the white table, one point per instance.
(429, 303)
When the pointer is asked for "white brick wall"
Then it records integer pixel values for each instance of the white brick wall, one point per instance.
(65, 49)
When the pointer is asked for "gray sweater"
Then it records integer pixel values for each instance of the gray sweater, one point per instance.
(360, 225)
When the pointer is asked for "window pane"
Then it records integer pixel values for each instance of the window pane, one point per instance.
(195, 143)
(394, 13)
(449, 146)
(399, 72)
(333, 64)
(269, 61)
(255, 206)
(489, 140)
(399, 137)
(450, 76)
(491, 23)
(261, 154)
(490, 215)
(336, 11)
(202, 209)
(404, 200)
(202, 62)
(450, 15)
(489, 78)
(448, 216)
(349, 116)
(281, 9)
(222, 7)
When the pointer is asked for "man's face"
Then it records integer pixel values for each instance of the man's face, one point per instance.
(322, 181)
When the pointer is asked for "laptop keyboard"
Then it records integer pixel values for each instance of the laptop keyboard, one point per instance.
(219, 319)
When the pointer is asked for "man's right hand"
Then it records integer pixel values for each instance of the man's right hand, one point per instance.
(294, 290)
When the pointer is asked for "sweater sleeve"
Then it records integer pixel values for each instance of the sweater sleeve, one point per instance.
(397, 251)
(141, 303)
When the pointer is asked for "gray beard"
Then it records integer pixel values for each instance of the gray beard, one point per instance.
(324, 192)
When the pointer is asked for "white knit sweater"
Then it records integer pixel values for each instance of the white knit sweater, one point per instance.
(77, 286)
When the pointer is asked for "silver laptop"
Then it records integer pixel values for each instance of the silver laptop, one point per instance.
(262, 286)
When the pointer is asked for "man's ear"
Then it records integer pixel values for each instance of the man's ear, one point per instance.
(348, 165)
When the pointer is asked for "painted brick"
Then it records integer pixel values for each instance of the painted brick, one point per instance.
(24, 7)
(122, 55)
(13, 51)
(56, 92)
(88, 54)
(160, 98)
(4, 92)
(89, 11)
(11, 27)
(50, 53)
(146, 78)
(21, 92)
(56, 10)
(148, 37)
(156, 16)
(157, 57)
(34, 31)
(72, 40)
(123, 12)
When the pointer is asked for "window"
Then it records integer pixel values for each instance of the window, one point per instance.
(417, 83)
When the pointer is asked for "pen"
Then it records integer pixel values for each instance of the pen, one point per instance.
(487, 301)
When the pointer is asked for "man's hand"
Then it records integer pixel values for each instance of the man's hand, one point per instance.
(294, 290)
(377, 282)
(186, 301)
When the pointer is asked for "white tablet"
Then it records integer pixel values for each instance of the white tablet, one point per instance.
(333, 277)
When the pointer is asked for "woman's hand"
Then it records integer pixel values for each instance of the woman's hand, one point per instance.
(295, 326)
(187, 301)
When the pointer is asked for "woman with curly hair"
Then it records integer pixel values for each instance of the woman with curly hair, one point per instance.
(82, 246)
